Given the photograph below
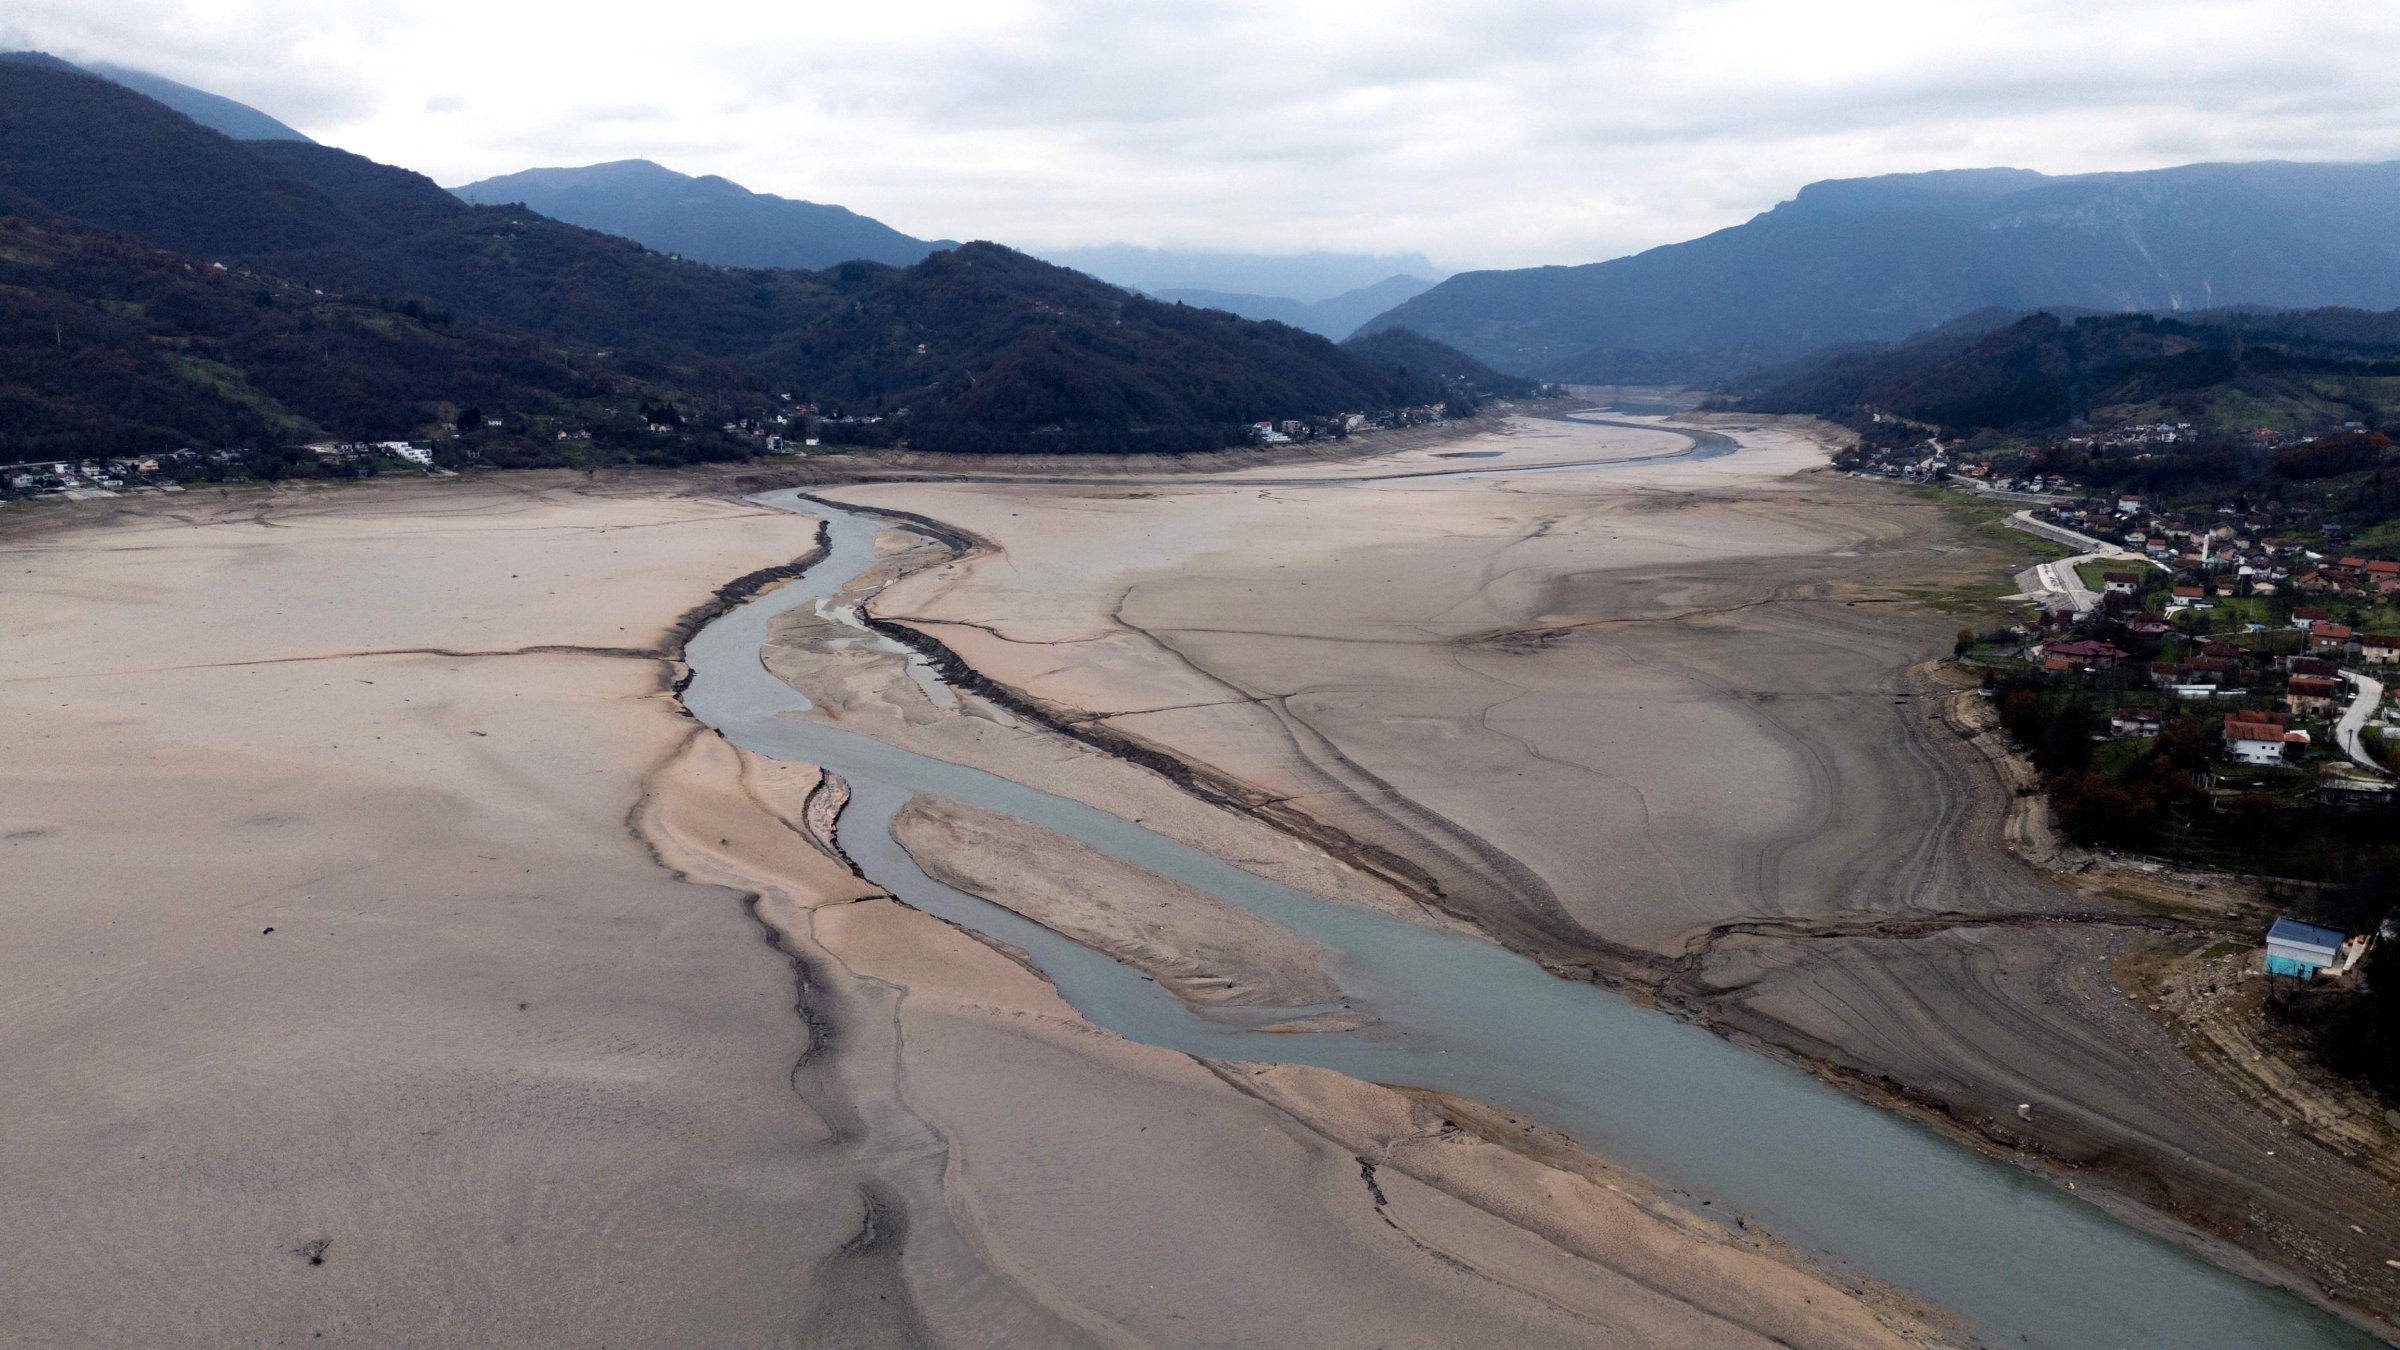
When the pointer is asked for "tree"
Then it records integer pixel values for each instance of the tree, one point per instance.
(2363, 1039)
(470, 418)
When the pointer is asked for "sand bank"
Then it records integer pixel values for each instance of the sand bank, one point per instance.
(1207, 952)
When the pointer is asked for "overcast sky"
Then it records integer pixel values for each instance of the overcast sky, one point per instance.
(1497, 133)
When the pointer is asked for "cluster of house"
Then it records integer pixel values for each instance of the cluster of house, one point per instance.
(1289, 429)
(2132, 441)
(2311, 683)
(354, 452)
(2131, 436)
(2028, 472)
(52, 476)
(104, 477)
(2228, 552)
(166, 470)
(2349, 578)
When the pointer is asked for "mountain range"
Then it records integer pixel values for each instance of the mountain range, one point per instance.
(1874, 259)
(1336, 318)
(1304, 277)
(708, 219)
(208, 271)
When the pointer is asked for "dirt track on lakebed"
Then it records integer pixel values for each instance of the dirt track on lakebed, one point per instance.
(1669, 725)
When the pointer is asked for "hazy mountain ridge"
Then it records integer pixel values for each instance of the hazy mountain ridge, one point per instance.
(1879, 258)
(214, 111)
(1336, 318)
(708, 219)
(1305, 278)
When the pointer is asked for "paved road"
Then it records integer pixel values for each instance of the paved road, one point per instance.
(2354, 719)
(2058, 585)
(2058, 534)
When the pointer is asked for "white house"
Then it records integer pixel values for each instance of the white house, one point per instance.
(2249, 742)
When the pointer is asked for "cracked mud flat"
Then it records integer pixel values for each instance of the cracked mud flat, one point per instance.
(531, 1087)
(1671, 727)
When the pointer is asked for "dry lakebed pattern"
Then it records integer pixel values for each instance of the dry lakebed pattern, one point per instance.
(1518, 890)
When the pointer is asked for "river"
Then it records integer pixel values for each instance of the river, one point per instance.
(2022, 1262)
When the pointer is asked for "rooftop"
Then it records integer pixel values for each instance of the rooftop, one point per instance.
(2306, 934)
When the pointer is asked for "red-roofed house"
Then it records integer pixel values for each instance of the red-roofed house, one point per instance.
(2249, 740)
(2311, 695)
(2083, 652)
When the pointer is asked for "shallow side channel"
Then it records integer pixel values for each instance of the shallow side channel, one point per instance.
(2023, 1262)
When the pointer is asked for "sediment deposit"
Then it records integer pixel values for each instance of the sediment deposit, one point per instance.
(388, 959)
(1671, 724)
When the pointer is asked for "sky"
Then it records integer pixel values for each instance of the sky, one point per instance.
(1499, 133)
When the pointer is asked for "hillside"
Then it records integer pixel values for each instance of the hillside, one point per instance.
(214, 111)
(979, 348)
(707, 219)
(1876, 259)
(2222, 372)
(1336, 318)
(111, 348)
(1468, 380)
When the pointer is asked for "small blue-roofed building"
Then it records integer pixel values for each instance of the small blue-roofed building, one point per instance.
(2302, 949)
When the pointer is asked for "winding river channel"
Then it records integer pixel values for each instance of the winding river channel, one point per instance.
(2019, 1260)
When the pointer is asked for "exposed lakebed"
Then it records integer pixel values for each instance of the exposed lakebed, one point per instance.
(2021, 1261)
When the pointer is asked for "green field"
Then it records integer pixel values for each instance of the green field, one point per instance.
(1973, 594)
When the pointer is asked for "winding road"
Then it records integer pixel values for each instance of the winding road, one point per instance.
(2059, 585)
(2347, 733)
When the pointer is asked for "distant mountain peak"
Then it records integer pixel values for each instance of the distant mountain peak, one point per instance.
(1301, 277)
(1336, 318)
(1875, 259)
(707, 218)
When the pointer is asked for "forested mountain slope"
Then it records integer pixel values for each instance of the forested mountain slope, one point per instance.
(1879, 258)
(978, 349)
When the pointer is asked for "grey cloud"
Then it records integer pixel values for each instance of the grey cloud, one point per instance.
(1510, 132)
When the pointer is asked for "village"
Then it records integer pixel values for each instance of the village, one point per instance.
(798, 429)
(1291, 429)
(2206, 685)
